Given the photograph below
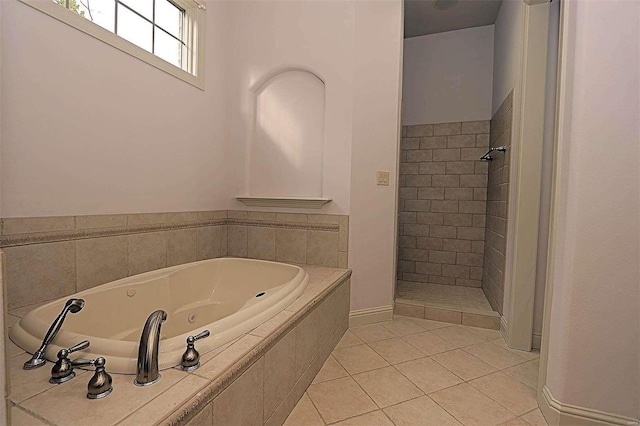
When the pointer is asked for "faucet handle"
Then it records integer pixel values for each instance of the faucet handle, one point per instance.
(191, 357)
(62, 370)
(100, 384)
(199, 336)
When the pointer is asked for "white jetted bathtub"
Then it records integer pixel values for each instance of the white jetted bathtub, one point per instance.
(226, 296)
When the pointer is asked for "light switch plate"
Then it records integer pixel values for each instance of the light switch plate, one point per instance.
(383, 177)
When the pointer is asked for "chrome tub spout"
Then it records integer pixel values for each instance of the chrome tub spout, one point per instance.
(38, 360)
(147, 371)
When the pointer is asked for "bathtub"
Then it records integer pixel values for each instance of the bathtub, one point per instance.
(226, 296)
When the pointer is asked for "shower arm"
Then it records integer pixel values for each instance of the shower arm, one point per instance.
(488, 157)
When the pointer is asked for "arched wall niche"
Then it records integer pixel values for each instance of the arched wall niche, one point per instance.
(286, 146)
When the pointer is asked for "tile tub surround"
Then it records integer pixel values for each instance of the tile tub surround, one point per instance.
(420, 372)
(497, 206)
(442, 203)
(52, 257)
(257, 379)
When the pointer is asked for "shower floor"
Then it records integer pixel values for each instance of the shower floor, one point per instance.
(465, 299)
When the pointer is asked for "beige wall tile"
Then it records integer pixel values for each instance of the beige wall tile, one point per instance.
(472, 127)
(101, 221)
(147, 252)
(237, 241)
(306, 343)
(419, 130)
(447, 129)
(408, 310)
(261, 243)
(282, 412)
(212, 214)
(209, 242)
(203, 418)
(181, 246)
(101, 260)
(146, 219)
(237, 214)
(291, 245)
(40, 272)
(483, 321)
(322, 248)
(181, 217)
(291, 217)
(343, 236)
(262, 216)
(324, 218)
(443, 315)
(27, 225)
(279, 376)
(242, 402)
(343, 260)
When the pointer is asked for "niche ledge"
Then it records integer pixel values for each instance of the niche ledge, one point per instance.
(284, 202)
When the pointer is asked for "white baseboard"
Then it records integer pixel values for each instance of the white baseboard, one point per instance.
(370, 315)
(558, 413)
(504, 329)
(536, 339)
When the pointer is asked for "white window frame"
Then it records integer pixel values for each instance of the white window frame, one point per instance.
(194, 37)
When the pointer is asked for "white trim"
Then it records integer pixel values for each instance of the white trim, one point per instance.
(370, 315)
(558, 413)
(78, 22)
(536, 339)
(504, 328)
(284, 202)
(525, 178)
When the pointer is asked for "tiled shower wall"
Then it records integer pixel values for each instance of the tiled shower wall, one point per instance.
(51, 257)
(443, 192)
(497, 202)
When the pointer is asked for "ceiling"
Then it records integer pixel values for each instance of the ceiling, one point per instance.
(422, 18)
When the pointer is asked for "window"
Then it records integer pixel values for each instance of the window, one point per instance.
(167, 34)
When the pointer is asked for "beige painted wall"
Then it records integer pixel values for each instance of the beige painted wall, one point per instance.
(264, 37)
(507, 55)
(447, 76)
(376, 120)
(594, 323)
(88, 129)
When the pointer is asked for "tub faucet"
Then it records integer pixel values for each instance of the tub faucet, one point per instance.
(38, 360)
(147, 371)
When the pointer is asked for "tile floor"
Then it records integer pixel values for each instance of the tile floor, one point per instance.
(446, 296)
(418, 372)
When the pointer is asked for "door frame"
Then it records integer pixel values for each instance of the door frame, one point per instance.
(526, 177)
